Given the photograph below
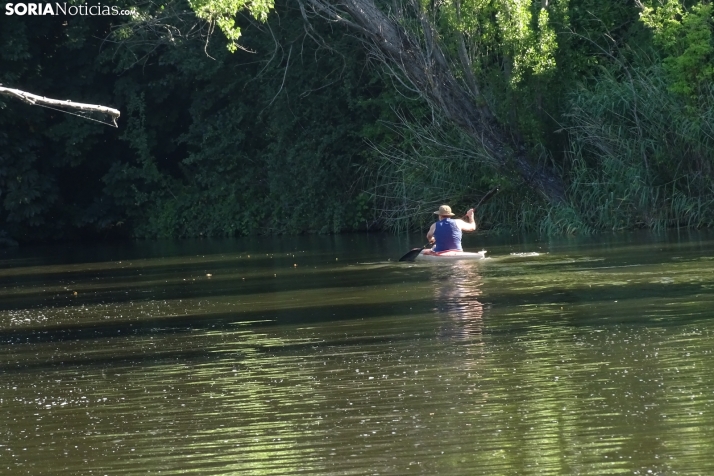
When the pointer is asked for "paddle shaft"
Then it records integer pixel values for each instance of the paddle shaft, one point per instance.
(483, 200)
(486, 197)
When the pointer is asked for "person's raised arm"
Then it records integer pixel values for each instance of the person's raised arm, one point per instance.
(469, 221)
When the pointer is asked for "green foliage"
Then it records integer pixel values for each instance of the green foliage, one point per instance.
(45, 177)
(526, 37)
(223, 13)
(302, 136)
(427, 165)
(258, 151)
(582, 83)
(685, 38)
(640, 154)
(219, 145)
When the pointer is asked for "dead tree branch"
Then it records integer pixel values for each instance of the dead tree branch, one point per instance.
(35, 100)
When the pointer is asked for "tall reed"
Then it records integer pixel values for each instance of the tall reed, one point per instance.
(639, 156)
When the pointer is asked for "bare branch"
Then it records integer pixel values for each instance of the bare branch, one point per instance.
(35, 100)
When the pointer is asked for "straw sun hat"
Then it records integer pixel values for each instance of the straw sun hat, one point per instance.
(444, 210)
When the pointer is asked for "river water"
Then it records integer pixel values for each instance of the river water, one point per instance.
(323, 355)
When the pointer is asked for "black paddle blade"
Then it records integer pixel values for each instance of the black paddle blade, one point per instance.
(411, 254)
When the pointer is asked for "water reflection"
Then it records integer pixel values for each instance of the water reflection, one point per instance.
(457, 289)
(583, 364)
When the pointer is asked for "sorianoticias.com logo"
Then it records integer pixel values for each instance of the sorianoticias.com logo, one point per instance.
(55, 9)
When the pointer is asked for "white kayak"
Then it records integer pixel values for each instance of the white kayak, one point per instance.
(428, 255)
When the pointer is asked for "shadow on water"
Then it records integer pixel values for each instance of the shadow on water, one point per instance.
(214, 322)
(64, 278)
(598, 282)
(355, 247)
(192, 283)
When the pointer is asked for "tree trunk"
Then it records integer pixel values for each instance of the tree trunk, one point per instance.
(425, 67)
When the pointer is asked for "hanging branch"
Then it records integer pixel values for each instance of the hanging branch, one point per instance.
(415, 58)
(35, 100)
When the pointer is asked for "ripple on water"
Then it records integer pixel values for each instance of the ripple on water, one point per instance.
(564, 363)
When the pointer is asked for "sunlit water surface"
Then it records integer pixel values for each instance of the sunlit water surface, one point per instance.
(323, 355)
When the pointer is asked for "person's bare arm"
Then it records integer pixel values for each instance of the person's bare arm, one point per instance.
(430, 233)
(469, 221)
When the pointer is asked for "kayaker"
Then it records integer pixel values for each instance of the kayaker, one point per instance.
(446, 233)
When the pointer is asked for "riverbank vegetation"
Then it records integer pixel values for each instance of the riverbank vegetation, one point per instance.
(312, 118)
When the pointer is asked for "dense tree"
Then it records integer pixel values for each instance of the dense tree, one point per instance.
(320, 116)
(504, 72)
(210, 143)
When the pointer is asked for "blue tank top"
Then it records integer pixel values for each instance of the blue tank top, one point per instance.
(448, 235)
